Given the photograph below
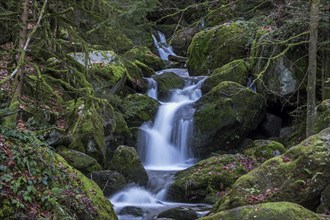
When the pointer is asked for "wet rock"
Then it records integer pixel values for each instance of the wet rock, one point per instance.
(179, 213)
(225, 116)
(271, 125)
(263, 211)
(126, 161)
(109, 181)
(139, 108)
(324, 207)
(131, 210)
(166, 82)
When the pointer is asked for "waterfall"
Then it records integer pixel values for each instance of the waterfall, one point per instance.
(163, 146)
(152, 88)
(163, 48)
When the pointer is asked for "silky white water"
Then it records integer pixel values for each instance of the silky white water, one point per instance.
(163, 146)
(163, 48)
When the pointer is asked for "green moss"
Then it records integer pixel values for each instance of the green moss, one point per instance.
(87, 131)
(218, 46)
(224, 116)
(36, 182)
(79, 160)
(235, 71)
(269, 211)
(262, 150)
(203, 181)
(144, 55)
(166, 82)
(323, 115)
(127, 162)
(280, 178)
(139, 108)
(103, 206)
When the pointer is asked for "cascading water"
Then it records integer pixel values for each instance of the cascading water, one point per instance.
(163, 147)
(163, 144)
(163, 48)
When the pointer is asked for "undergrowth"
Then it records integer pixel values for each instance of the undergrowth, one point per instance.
(34, 184)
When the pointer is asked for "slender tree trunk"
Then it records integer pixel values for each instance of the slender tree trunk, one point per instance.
(312, 68)
(326, 61)
(22, 40)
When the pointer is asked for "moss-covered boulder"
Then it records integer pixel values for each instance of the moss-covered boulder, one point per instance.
(269, 211)
(168, 81)
(109, 181)
(86, 129)
(78, 160)
(144, 55)
(36, 182)
(126, 161)
(110, 73)
(209, 178)
(262, 150)
(300, 176)
(224, 116)
(323, 115)
(235, 71)
(138, 108)
(181, 40)
(217, 46)
(178, 213)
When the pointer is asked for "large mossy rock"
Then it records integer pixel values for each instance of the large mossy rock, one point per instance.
(181, 40)
(323, 115)
(168, 81)
(144, 55)
(139, 108)
(300, 176)
(86, 129)
(267, 211)
(80, 161)
(126, 161)
(109, 181)
(235, 71)
(224, 116)
(262, 150)
(215, 47)
(110, 73)
(203, 181)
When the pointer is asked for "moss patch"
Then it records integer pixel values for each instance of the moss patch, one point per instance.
(270, 210)
(208, 179)
(218, 46)
(299, 176)
(224, 116)
(235, 71)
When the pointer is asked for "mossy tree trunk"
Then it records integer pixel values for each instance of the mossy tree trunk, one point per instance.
(312, 68)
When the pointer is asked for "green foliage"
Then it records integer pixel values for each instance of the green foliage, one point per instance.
(33, 185)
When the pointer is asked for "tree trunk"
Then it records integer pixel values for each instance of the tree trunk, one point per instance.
(22, 40)
(311, 71)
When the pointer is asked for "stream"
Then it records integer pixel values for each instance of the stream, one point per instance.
(164, 148)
